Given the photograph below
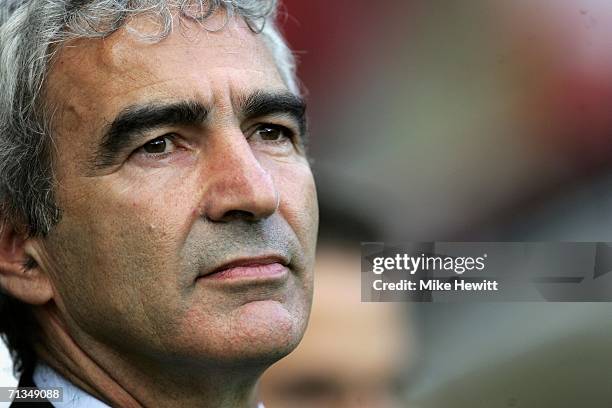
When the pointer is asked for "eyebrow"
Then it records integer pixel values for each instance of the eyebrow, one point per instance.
(260, 104)
(132, 121)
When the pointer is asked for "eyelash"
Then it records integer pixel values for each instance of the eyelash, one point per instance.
(290, 135)
(171, 137)
(288, 132)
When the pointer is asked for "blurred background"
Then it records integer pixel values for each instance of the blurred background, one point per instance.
(449, 120)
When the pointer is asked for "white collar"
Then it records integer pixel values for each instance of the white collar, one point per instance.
(74, 397)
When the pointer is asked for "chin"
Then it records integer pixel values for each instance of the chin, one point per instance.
(256, 334)
(269, 325)
(267, 330)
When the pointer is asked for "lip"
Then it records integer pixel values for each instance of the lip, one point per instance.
(253, 268)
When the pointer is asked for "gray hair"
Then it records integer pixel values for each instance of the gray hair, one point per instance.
(31, 31)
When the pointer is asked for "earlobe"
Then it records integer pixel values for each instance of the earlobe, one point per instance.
(20, 275)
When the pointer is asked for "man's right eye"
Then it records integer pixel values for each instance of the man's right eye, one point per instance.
(155, 146)
(162, 145)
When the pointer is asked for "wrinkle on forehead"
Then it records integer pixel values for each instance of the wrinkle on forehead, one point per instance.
(92, 80)
(134, 64)
(124, 50)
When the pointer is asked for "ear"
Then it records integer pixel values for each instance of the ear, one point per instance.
(20, 275)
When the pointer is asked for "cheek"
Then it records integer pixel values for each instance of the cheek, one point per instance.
(152, 208)
(299, 202)
(117, 246)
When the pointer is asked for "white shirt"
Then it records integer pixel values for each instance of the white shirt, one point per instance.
(74, 397)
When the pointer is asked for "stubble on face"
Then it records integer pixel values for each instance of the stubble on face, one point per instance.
(135, 234)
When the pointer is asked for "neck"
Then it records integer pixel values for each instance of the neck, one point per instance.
(119, 381)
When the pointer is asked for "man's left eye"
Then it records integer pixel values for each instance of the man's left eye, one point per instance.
(273, 133)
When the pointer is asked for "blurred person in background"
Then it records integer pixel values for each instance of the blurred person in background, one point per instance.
(353, 354)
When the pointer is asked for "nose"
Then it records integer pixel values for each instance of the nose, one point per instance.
(238, 186)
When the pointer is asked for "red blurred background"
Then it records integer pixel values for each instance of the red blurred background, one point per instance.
(482, 120)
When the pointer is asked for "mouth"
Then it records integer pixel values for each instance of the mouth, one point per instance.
(272, 267)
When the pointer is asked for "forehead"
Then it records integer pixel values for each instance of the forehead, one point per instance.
(96, 78)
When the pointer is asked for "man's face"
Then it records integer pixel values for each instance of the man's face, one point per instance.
(175, 159)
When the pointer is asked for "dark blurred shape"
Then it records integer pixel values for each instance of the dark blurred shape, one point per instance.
(341, 227)
(353, 354)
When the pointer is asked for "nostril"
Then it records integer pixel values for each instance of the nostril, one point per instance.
(238, 215)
